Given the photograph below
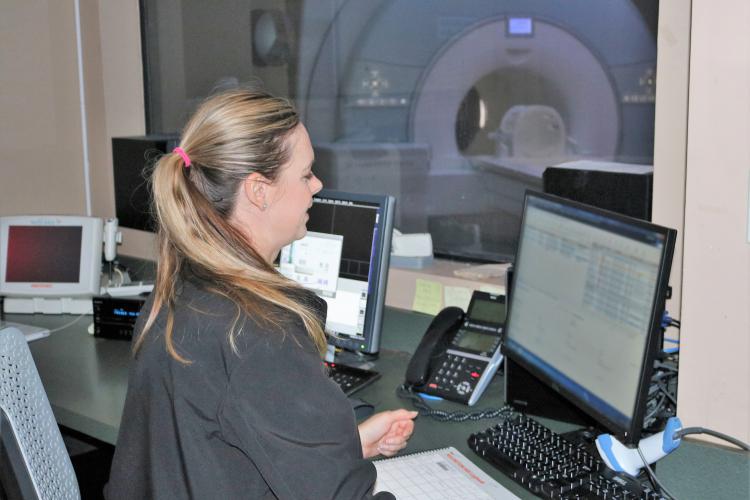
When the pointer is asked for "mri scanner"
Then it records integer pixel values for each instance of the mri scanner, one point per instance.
(477, 97)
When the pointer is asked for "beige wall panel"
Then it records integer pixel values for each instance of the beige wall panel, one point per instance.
(40, 127)
(100, 173)
(670, 147)
(715, 343)
(122, 77)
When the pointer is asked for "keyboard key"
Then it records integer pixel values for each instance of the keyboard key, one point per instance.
(349, 378)
(549, 466)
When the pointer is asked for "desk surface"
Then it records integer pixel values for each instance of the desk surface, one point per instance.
(86, 380)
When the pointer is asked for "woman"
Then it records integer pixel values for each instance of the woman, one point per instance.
(227, 395)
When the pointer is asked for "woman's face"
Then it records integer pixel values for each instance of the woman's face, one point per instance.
(290, 197)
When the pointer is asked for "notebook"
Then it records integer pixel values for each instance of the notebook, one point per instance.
(443, 474)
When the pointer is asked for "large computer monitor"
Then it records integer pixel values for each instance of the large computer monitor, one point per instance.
(344, 257)
(50, 257)
(586, 305)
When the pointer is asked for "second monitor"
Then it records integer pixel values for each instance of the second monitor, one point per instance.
(587, 301)
(344, 258)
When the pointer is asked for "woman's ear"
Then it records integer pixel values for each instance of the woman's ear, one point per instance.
(256, 190)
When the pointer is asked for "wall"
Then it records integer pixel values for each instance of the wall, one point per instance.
(123, 107)
(40, 128)
(715, 337)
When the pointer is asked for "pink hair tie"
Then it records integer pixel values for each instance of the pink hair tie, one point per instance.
(183, 155)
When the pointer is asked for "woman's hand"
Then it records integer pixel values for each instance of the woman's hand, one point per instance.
(386, 432)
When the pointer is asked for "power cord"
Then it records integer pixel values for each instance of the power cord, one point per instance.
(405, 392)
(720, 435)
(66, 325)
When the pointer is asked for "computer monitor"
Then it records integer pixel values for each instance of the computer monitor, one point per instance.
(49, 256)
(586, 305)
(344, 257)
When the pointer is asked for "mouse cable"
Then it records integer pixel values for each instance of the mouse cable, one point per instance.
(426, 410)
(66, 325)
(679, 434)
(720, 435)
(663, 491)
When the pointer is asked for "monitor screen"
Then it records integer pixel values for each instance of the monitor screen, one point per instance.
(486, 310)
(50, 256)
(44, 254)
(344, 257)
(586, 303)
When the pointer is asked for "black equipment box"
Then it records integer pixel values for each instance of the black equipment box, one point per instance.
(132, 161)
(627, 192)
(115, 317)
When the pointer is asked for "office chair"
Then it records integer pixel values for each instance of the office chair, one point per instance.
(34, 463)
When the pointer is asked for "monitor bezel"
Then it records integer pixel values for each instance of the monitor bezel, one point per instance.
(379, 273)
(89, 274)
(631, 433)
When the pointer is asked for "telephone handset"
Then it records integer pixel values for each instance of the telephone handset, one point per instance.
(460, 352)
(433, 344)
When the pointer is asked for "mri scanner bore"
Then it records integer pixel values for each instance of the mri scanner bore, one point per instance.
(454, 107)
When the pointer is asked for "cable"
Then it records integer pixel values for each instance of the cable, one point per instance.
(663, 388)
(720, 435)
(657, 484)
(67, 324)
(666, 366)
(426, 410)
(656, 410)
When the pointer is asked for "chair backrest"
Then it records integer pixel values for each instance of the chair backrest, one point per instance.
(30, 441)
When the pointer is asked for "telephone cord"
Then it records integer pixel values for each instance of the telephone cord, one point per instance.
(426, 410)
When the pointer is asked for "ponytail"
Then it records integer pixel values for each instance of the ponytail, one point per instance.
(230, 136)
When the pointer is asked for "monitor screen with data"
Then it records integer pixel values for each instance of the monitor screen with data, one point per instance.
(586, 303)
(344, 258)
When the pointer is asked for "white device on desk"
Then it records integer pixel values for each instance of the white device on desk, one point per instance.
(412, 251)
(460, 352)
(621, 458)
(50, 264)
(111, 237)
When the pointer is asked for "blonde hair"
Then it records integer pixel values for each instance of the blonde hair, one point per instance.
(230, 136)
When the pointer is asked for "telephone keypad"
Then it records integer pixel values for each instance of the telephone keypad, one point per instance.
(456, 377)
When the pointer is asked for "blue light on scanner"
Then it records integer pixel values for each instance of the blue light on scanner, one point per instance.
(520, 26)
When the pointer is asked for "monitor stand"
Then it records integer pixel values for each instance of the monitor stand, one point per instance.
(525, 392)
(49, 305)
(30, 332)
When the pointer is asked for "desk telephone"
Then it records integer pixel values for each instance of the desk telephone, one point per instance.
(460, 352)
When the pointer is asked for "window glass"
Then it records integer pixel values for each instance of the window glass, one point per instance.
(454, 107)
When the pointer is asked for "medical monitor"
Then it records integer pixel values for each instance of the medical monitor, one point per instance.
(586, 305)
(344, 258)
(50, 256)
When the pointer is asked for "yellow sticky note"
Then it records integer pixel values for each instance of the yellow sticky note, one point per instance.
(428, 297)
(458, 296)
(495, 290)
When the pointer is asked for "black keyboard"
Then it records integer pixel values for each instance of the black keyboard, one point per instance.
(550, 466)
(350, 379)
